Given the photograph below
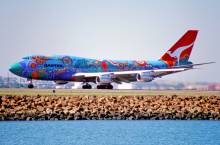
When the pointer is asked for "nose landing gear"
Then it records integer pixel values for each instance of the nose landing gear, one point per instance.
(30, 85)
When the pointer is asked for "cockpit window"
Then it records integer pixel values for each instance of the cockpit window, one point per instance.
(40, 57)
(26, 57)
(36, 57)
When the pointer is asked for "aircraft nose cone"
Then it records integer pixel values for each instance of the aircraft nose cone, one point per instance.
(16, 69)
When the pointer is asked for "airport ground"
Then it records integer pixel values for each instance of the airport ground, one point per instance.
(81, 92)
(45, 104)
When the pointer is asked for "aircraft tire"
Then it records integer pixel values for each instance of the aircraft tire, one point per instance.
(30, 86)
(100, 86)
(87, 86)
(109, 86)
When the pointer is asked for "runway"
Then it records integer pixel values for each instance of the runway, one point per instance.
(80, 92)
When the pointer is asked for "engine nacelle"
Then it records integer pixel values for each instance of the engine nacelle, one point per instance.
(61, 82)
(104, 79)
(145, 77)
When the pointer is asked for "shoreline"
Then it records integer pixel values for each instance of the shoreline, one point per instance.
(92, 107)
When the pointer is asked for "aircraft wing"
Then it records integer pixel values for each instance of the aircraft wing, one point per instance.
(130, 72)
(127, 76)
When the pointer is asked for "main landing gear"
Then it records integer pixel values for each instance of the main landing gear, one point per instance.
(101, 86)
(87, 86)
(105, 86)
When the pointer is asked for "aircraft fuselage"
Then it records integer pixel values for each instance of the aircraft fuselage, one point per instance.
(64, 67)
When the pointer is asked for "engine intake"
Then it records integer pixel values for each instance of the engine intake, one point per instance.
(104, 79)
(145, 77)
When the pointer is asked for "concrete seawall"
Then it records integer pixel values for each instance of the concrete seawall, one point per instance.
(109, 107)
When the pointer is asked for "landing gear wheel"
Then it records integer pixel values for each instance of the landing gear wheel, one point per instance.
(87, 86)
(109, 86)
(100, 86)
(30, 86)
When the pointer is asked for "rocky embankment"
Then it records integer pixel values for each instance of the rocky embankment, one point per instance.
(108, 107)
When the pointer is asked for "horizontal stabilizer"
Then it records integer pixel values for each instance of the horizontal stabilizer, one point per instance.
(191, 65)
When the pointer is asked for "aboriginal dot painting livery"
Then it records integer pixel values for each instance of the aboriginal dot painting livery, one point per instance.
(63, 69)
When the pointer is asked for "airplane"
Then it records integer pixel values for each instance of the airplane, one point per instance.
(63, 69)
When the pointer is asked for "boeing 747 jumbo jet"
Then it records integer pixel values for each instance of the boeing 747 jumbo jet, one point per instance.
(63, 69)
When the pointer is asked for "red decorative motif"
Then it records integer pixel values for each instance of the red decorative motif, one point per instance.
(67, 60)
(35, 75)
(33, 65)
(141, 63)
(40, 59)
(120, 65)
(74, 78)
(104, 66)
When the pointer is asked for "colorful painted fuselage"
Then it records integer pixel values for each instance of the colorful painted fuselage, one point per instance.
(64, 67)
(70, 68)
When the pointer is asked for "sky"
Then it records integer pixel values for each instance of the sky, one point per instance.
(110, 29)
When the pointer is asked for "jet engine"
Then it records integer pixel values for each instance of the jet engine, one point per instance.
(104, 79)
(145, 76)
(61, 82)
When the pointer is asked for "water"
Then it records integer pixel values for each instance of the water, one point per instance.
(110, 133)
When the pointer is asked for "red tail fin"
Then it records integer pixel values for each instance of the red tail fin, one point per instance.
(180, 52)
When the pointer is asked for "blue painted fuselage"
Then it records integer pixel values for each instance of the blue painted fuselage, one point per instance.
(64, 67)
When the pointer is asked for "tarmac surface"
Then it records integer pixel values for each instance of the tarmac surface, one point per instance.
(80, 92)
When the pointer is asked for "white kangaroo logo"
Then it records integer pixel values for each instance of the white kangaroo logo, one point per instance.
(176, 54)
